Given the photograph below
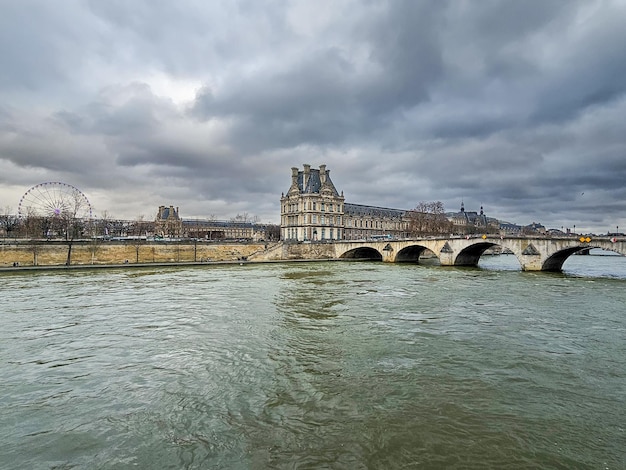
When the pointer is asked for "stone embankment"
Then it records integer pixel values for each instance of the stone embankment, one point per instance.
(54, 253)
(282, 251)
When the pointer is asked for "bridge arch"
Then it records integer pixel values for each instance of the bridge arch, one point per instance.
(555, 261)
(363, 253)
(470, 255)
(411, 254)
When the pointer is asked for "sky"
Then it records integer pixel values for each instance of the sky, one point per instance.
(206, 105)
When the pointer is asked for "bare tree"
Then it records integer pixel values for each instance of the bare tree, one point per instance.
(69, 223)
(245, 217)
(138, 230)
(34, 225)
(99, 232)
(9, 222)
(273, 232)
(428, 218)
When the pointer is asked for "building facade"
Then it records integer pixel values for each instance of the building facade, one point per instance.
(312, 209)
(362, 222)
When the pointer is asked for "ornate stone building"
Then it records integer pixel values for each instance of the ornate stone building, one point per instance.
(313, 210)
(168, 223)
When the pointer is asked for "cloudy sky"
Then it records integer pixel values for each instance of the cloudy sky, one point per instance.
(203, 104)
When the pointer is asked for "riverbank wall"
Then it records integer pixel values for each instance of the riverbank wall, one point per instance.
(54, 253)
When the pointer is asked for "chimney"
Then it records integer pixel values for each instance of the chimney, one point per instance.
(323, 174)
(307, 173)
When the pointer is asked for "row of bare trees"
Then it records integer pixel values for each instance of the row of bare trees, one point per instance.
(429, 218)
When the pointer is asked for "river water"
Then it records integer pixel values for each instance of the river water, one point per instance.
(345, 365)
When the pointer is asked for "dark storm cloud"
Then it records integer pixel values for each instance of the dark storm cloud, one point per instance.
(519, 106)
(330, 96)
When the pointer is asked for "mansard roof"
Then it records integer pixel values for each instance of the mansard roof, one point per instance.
(311, 181)
(167, 213)
(314, 183)
(361, 210)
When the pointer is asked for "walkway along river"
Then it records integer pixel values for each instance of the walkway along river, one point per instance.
(315, 365)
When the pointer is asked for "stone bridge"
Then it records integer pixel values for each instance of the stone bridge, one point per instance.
(533, 253)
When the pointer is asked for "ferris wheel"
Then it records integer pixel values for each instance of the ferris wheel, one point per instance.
(54, 199)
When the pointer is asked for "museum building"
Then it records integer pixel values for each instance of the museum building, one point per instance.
(313, 210)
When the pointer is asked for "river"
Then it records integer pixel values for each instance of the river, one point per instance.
(332, 365)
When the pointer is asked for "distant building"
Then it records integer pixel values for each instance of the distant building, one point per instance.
(168, 223)
(472, 222)
(371, 221)
(534, 228)
(209, 229)
(507, 228)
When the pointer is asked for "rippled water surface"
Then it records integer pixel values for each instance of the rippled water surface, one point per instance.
(315, 365)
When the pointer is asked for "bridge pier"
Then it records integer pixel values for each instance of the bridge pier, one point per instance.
(446, 259)
(531, 262)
